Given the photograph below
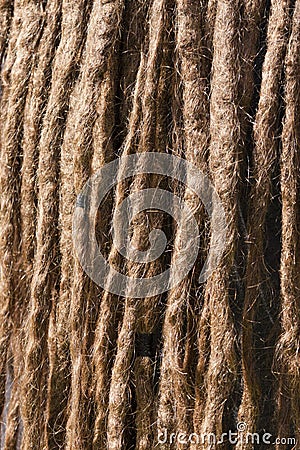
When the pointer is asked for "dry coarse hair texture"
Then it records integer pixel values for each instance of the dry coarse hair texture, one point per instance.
(216, 83)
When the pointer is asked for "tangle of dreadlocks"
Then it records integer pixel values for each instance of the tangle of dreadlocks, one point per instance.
(224, 166)
(177, 365)
(74, 21)
(84, 82)
(99, 48)
(265, 130)
(140, 315)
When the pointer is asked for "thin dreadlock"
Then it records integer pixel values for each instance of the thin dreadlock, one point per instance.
(288, 345)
